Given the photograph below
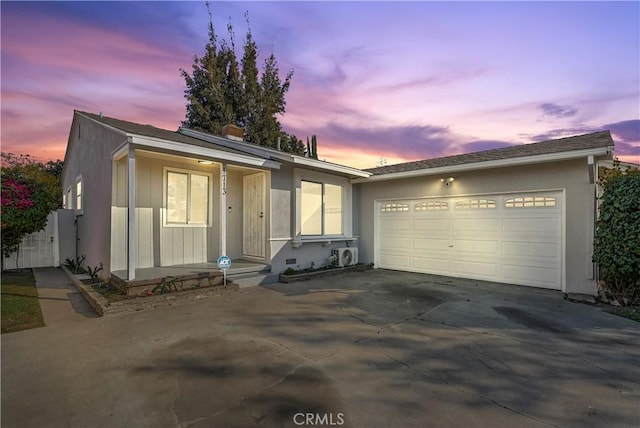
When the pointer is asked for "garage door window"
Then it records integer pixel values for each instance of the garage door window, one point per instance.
(472, 204)
(394, 207)
(530, 202)
(431, 206)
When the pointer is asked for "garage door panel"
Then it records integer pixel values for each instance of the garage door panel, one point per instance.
(476, 246)
(535, 225)
(531, 249)
(396, 225)
(432, 225)
(472, 269)
(436, 266)
(394, 261)
(475, 225)
(430, 244)
(528, 275)
(396, 243)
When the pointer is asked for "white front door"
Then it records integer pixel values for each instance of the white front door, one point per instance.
(511, 238)
(253, 215)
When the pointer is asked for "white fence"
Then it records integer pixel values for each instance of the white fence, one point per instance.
(45, 248)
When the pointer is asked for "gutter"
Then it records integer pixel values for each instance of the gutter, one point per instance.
(500, 163)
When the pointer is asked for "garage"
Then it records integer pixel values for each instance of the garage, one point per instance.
(515, 238)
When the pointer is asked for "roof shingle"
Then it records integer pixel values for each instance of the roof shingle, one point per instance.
(153, 132)
(579, 142)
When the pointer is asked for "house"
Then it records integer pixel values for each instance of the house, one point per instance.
(521, 215)
(147, 198)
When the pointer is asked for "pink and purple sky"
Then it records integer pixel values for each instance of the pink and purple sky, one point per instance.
(395, 80)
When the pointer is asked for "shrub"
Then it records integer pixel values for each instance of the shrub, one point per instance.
(617, 240)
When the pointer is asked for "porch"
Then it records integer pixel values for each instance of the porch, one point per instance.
(190, 275)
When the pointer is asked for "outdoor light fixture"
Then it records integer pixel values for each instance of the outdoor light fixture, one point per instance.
(205, 162)
(447, 181)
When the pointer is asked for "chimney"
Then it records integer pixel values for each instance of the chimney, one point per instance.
(233, 132)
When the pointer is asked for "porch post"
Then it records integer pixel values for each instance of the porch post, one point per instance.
(223, 210)
(131, 215)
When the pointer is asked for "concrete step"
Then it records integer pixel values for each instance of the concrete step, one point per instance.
(253, 279)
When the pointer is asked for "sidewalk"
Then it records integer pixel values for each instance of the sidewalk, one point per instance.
(59, 300)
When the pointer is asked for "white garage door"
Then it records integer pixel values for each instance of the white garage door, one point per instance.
(515, 239)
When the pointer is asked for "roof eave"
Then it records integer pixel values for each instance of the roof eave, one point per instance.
(274, 154)
(500, 163)
(157, 144)
(341, 169)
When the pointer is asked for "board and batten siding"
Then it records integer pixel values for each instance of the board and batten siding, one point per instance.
(157, 244)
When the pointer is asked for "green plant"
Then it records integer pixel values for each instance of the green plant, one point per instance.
(289, 271)
(617, 239)
(93, 273)
(75, 265)
(166, 286)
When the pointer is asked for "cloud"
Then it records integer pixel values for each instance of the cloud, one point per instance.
(561, 133)
(407, 142)
(557, 111)
(627, 130)
(482, 145)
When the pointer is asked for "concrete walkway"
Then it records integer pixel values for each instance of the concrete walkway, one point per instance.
(60, 301)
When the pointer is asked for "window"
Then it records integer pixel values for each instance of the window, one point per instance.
(385, 208)
(79, 194)
(69, 199)
(530, 202)
(321, 208)
(187, 198)
(431, 206)
(475, 204)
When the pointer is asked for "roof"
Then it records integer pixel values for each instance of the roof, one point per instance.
(153, 132)
(210, 141)
(568, 144)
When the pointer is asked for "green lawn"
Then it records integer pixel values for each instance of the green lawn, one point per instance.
(19, 304)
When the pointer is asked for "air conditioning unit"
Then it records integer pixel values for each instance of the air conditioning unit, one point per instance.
(347, 256)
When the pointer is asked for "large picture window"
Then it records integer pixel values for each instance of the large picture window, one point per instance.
(321, 209)
(187, 198)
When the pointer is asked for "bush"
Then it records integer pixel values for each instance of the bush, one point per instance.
(617, 240)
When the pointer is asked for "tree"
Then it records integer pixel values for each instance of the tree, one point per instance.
(617, 239)
(220, 91)
(30, 191)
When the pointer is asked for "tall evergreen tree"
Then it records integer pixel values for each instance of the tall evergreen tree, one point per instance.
(220, 91)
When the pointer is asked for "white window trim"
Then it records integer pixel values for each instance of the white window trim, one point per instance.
(300, 175)
(75, 195)
(67, 198)
(165, 223)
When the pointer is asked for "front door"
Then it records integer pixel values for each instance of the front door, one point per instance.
(253, 215)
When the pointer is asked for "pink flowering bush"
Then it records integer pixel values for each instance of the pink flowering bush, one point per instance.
(30, 191)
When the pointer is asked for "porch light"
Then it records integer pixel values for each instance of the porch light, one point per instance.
(205, 162)
(447, 180)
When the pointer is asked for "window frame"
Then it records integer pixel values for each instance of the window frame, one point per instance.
(78, 197)
(323, 179)
(165, 193)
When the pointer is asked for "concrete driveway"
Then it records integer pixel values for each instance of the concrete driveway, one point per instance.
(372, 349)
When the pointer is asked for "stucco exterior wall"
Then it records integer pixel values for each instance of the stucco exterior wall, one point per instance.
(284, 254)
(570, 176)
(90, 158)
